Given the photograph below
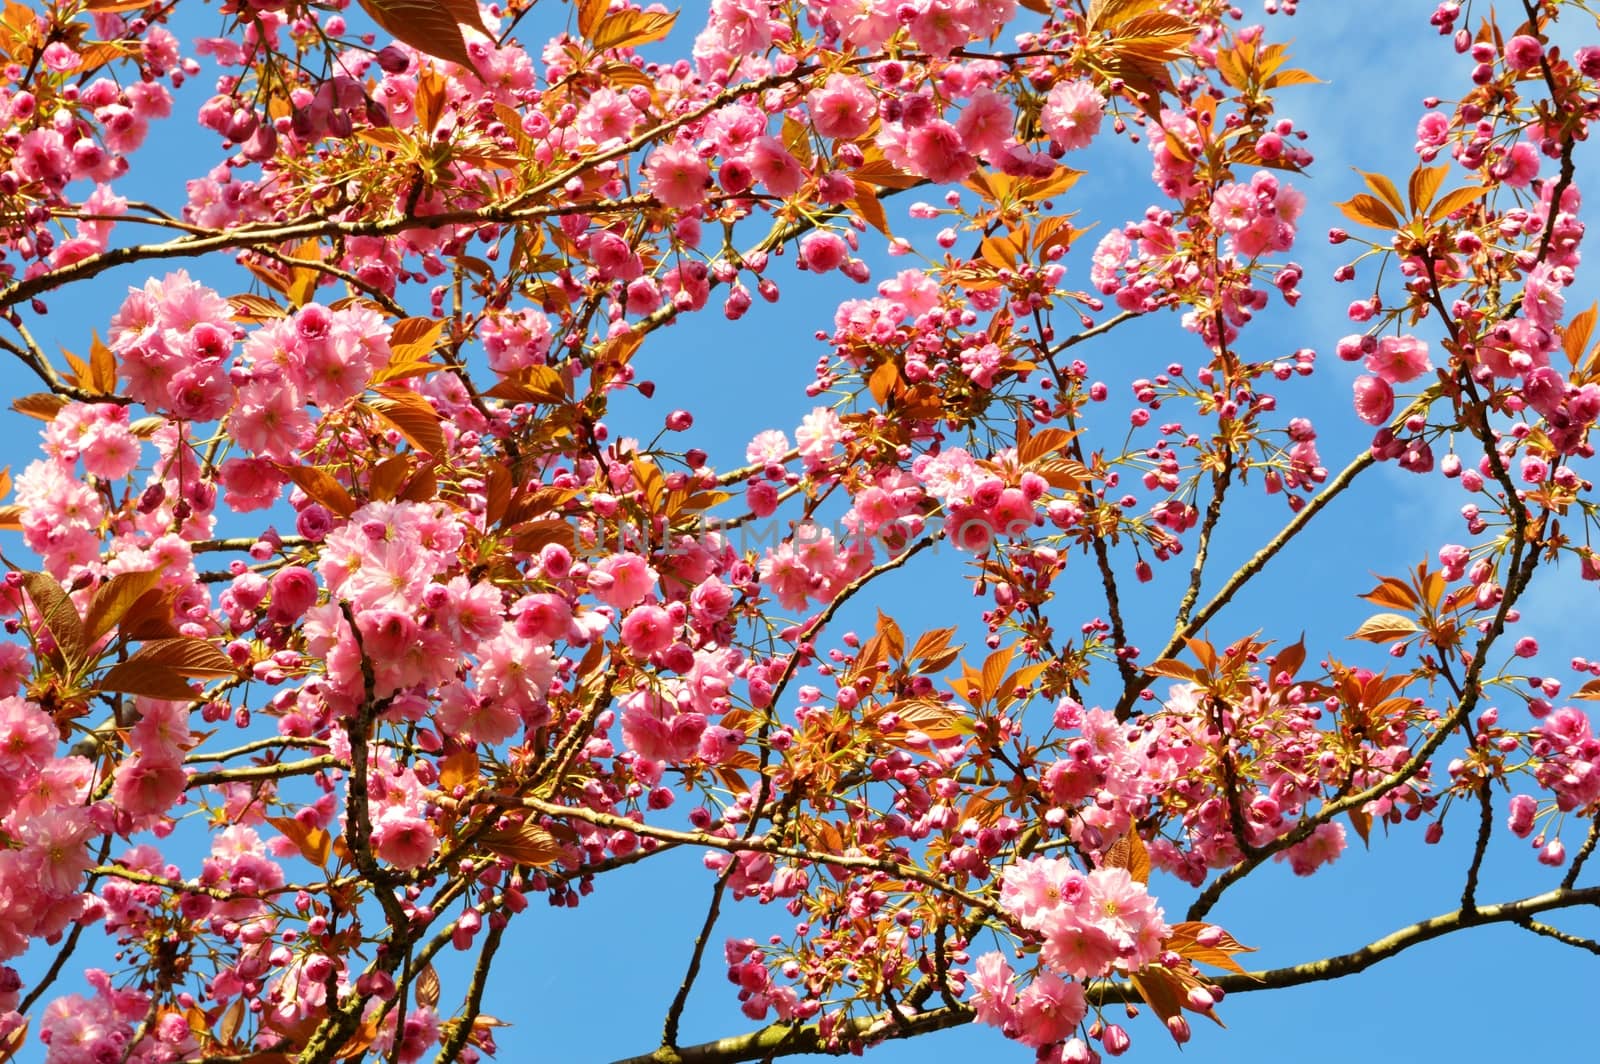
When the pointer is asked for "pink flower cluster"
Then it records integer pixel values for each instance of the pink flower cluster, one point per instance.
(1258, 217)
(173, 339)
(1089, 924)
(1568, 759)
(46, 827)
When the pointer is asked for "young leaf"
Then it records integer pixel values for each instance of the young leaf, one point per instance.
(114, 598)
(60, 616)
(1386, 628)
(429, 26)
(414, 417)
(1369, 210)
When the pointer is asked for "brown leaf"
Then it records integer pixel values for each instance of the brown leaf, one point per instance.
(1361, 820)
(893, 639)
(414, 417)
(198, 659)
(867, 205)
(935, 719)
(1574, 338)
(1129, 852)
(429, 26)
(57, 612)
(314, 844)
(1394, 593)
(427, 985)
(1174, 669)
(931, 643)
(1042, 443)
(15, 1040)
(413, 339)
(528, 844)
(884, 381)
(232, 1019)
(533, 384)
(253, 309)
(114, 598)
(1589, 692)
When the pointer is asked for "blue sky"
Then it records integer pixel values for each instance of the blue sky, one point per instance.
(592, 984)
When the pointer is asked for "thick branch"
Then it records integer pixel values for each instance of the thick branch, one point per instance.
(779, 1039)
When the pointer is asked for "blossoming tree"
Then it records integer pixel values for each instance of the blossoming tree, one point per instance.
(517, 639)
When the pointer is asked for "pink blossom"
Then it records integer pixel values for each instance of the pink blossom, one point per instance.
(1399, 359)
(677, 176)
(1072, 113)
(843, 108)
(622, 580)
(1374, 400)
(1048, 1010)
(647, 629)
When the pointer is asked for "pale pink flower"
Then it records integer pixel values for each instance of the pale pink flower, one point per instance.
(1049, 1010)
(677, 176)
(843, 108)
(1072, 113)
(622, 580)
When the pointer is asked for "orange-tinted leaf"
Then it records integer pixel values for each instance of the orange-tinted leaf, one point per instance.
(413, 339)
(1361, 820)
(1394, 593)
(1218, 952)
(893, 639)
(414, 417)
(198, 659)
(459, 769)
(1589, 692)
(14, 1041)
(42, 405)
(533, 384)
(866, 204)
(1042, 443)
(884, 381)
(1575, 337)
(1369, 210)
(322, 488)
(1106, 13)
(931, 643)
(1385, 190)
(1386, 628)
(933, 718)
(1174, 669)
(314, 844)
(630, 29)
(994, 669)
(232, 1018)
(1424, 185)
(1454, 200)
